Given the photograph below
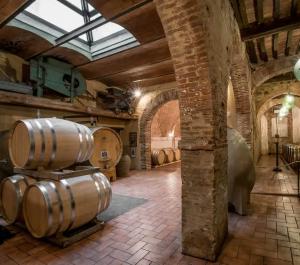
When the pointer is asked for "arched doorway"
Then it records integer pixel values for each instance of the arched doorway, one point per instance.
(165, 127)
(146, 121)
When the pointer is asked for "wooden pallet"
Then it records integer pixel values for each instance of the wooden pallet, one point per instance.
(70, 237)
(166, 164)
(57, 175)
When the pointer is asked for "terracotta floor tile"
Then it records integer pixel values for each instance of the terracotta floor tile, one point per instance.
(148, 234)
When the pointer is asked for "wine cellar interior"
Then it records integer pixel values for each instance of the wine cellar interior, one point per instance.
(149, 132)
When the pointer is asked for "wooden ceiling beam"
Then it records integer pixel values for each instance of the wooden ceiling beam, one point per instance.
(275, 45)
(12, 9)
(288, 43)
(155, 80)
(276, 16)
(262, 49)
(256, 31)
(239, 8)
(146, 54)
(289, 37)
(250, 46)
(259, 11)
(294, 7)
(276, 9)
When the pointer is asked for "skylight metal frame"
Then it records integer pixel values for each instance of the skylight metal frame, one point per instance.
(114, 42)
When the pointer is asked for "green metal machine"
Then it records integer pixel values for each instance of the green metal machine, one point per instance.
(56, 75)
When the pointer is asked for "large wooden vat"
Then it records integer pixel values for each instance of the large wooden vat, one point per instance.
(169, 155)
(108, 148)
(158, 157)
(177, 154)
(11, 195)
(50, 207)
(49, 143)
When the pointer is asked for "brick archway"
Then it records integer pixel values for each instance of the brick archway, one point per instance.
(145, 124)
(272, 69)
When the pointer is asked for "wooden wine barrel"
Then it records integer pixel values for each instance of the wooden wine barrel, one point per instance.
(50, 207)
(11, 195)
(177, 154)
(108, 148)
(169, 155)
(158, 157)
(49, 143)
(123, 166)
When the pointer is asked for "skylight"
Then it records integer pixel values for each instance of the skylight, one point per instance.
(56, 18)
(106, 30)
(57, 14)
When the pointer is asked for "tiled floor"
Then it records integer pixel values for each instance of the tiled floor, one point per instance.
(150, 233)
(283, 182)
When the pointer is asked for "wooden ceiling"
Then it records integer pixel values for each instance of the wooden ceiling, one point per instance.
(147, 64)
(270, 28)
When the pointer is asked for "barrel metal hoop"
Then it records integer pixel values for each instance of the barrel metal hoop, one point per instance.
(79, 157)
(26, 181)
(88, 142)
(108, 187)
(107, 200)
(107, 190)
(61, 207)
(48, 203)
(72, 201)
(54, 142)
(92, 144)
(43, 147)
(32, 143)
(94, 177)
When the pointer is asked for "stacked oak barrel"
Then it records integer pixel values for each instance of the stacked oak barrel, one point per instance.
(165, 156)
(50, 206)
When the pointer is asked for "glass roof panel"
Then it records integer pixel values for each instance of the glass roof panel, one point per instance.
(76, 3)
(91, 8)
(106, 30)
(59, 17)
(56, 13)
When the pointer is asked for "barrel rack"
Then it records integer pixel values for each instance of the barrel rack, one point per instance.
(57, 175)
(66, 238)
(166, 164)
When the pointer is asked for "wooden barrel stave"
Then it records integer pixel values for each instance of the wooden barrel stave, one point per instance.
(49, 143)
(169, 155)
(12, 190)
(158, 157)
(50, 207)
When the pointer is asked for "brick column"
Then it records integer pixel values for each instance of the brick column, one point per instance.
(199, 34)
(240, 78)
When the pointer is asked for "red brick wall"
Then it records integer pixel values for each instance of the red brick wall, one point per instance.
(166, 119)
(145, 124)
